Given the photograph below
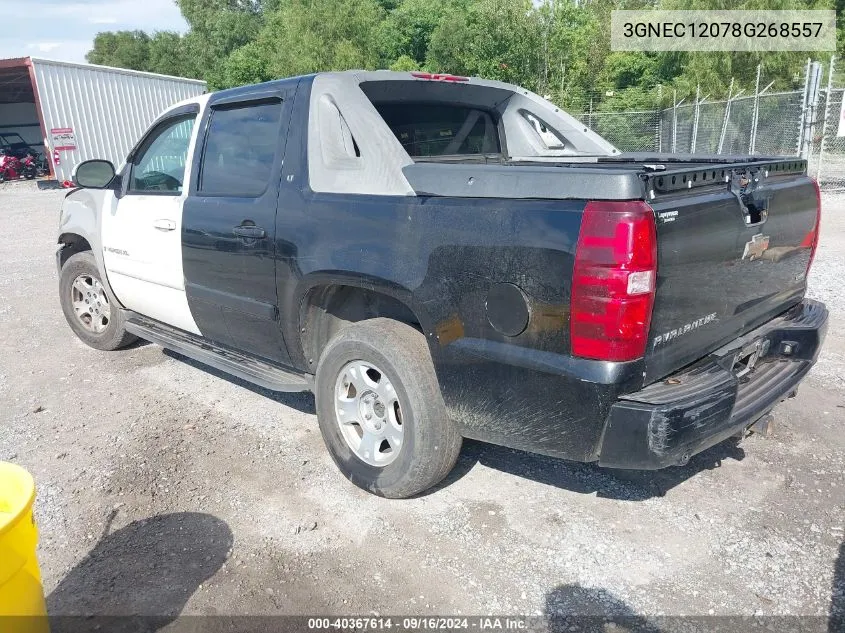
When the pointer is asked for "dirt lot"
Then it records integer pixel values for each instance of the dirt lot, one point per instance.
(166, 488)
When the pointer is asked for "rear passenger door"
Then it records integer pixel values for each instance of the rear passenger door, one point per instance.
(229, 218)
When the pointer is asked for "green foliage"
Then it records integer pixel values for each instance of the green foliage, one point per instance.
(575, 44)
(405, 64)
(558, 48)
(495, 39)
(168, 54)
(305, 36)
(218, 29)
(124, 49)
(245, 65)
(407, 29)
(622, 70)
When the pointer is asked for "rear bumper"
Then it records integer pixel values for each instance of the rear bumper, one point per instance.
(668, 422)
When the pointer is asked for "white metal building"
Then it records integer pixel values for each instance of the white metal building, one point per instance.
(82, 111)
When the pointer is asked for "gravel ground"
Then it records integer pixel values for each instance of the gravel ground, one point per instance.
(165, 488)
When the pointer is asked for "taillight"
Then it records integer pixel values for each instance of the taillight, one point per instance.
(812, 238)
(613, 280)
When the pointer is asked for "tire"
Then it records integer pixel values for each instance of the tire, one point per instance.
(430, 443)
(104, 330)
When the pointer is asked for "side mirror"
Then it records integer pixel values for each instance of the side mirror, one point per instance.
(93, 174)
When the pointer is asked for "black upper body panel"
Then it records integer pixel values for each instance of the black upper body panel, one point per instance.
(446, 252)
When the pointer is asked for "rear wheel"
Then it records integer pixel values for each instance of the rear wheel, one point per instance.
(89, 308)
(380, 410)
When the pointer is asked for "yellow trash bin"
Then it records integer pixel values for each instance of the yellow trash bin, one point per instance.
(21, 593)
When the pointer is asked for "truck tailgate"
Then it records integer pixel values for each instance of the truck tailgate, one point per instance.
(734, 244)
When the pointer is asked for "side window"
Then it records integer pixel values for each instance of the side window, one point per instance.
(550, 138)
(240, 149)
(337, 143)
(159, 165)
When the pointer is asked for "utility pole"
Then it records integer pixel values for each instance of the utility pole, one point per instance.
(826, 116)
(674, 121)
(695, 119)
(659, 110)
(727, 117)
(752, 144)
(813, 92)
(801, 130)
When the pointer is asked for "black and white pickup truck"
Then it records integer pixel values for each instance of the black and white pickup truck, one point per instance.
(439, 257)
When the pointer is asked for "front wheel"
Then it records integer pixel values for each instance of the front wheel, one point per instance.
(89, 308)
(380, 410)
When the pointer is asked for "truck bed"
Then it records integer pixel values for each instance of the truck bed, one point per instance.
(734, 233)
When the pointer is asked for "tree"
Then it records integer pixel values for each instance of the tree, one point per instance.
(713, 71)
(559, 48)
(574, 45)
(304, 36)
(168, 54)
(245, 65)
(496, 39)
(124, 49)
(405, 64)
(164, 52)
(407, 29)
(218, 28)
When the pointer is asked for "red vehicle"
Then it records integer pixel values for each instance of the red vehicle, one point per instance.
(10, 166)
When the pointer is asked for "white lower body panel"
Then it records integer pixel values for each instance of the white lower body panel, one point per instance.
(155, 301)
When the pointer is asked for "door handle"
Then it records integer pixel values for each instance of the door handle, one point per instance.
(249, 231)
(165, 225)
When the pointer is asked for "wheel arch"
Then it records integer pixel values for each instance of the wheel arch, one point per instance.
(79, 226)
(71, 244)
(327, 303)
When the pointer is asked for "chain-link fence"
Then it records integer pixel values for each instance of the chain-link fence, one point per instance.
(636, 129)
(773, 124)
(827, 156)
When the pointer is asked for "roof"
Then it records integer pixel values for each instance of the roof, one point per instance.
(15, 82)
(25, 61)
(360, 76)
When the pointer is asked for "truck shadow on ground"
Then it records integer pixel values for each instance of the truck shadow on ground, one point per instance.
(138, 578)
(592, 610)
(588, 478)
(577, 477)
(836, 624)
(587, 610)
(582, 478)
(301, 401)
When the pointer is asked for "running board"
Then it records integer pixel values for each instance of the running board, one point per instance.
(245, 367)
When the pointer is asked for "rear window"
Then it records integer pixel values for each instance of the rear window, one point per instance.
(428, 129)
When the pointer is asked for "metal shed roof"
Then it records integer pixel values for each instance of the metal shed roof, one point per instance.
(106, 109)
(114, 69)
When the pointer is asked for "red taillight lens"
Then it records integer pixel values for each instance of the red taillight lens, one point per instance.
(812, 238)
(613, 281)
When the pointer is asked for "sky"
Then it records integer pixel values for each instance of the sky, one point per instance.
(66, 30)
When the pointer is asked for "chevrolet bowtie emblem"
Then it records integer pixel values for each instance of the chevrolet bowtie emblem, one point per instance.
(755, 248)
